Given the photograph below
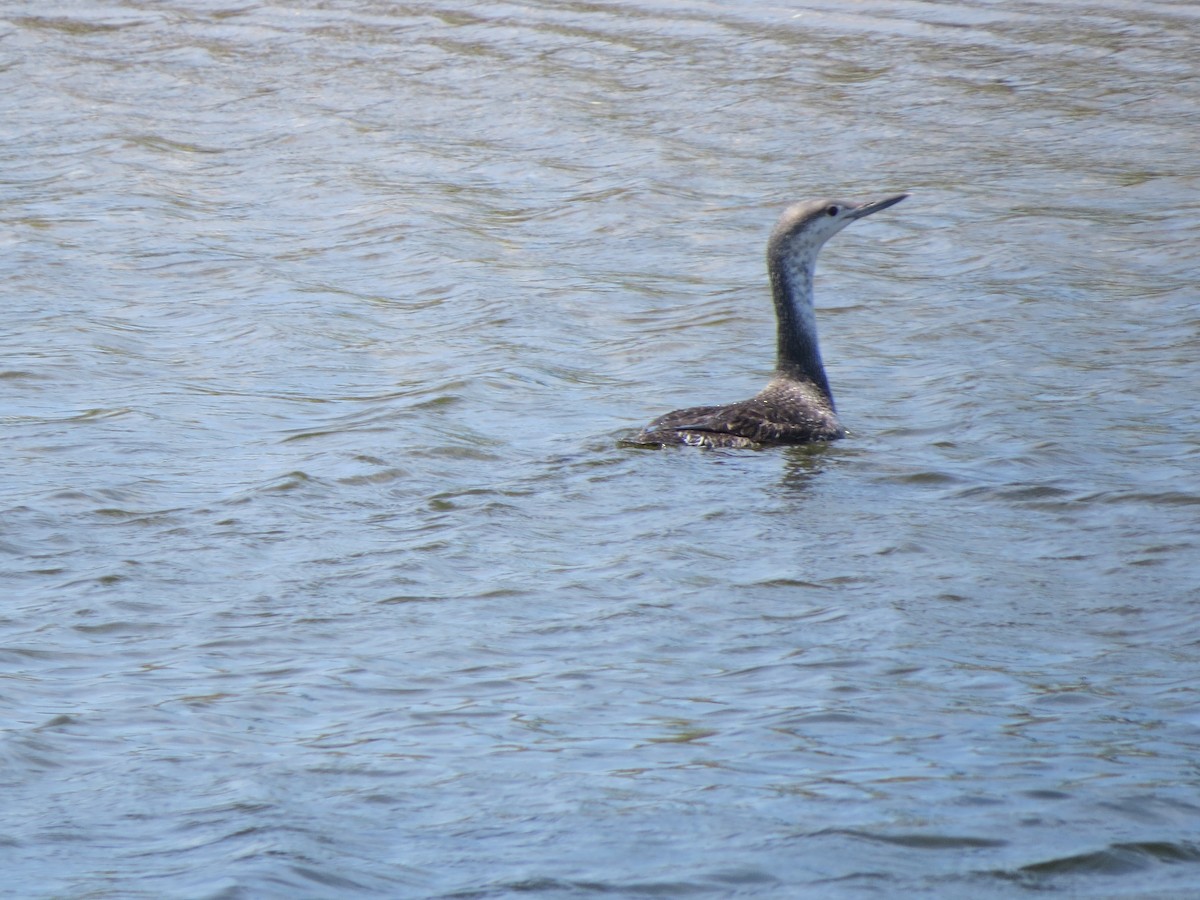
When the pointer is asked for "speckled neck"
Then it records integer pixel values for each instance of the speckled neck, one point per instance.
(799, 355)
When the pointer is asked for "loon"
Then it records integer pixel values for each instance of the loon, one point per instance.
(796, 406)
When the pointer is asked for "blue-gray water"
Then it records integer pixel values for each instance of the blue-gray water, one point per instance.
(325, 575)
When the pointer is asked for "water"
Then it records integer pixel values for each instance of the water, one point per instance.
(325, 574)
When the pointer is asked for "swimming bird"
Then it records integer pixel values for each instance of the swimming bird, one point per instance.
(796, 406)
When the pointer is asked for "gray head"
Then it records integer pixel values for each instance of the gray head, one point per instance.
(791, 258)
(805, 227)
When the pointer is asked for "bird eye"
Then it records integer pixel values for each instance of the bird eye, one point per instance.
(832, 210)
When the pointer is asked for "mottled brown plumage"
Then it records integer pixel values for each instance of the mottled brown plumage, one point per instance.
(796, 407)
(786, 411)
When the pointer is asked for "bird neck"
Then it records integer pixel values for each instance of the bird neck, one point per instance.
(799, 355)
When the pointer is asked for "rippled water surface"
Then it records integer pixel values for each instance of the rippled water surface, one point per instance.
(325, 573)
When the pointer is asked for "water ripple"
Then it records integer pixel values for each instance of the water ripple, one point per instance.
(326, 575)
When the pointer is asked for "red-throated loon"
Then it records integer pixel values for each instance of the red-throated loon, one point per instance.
(796, 407)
